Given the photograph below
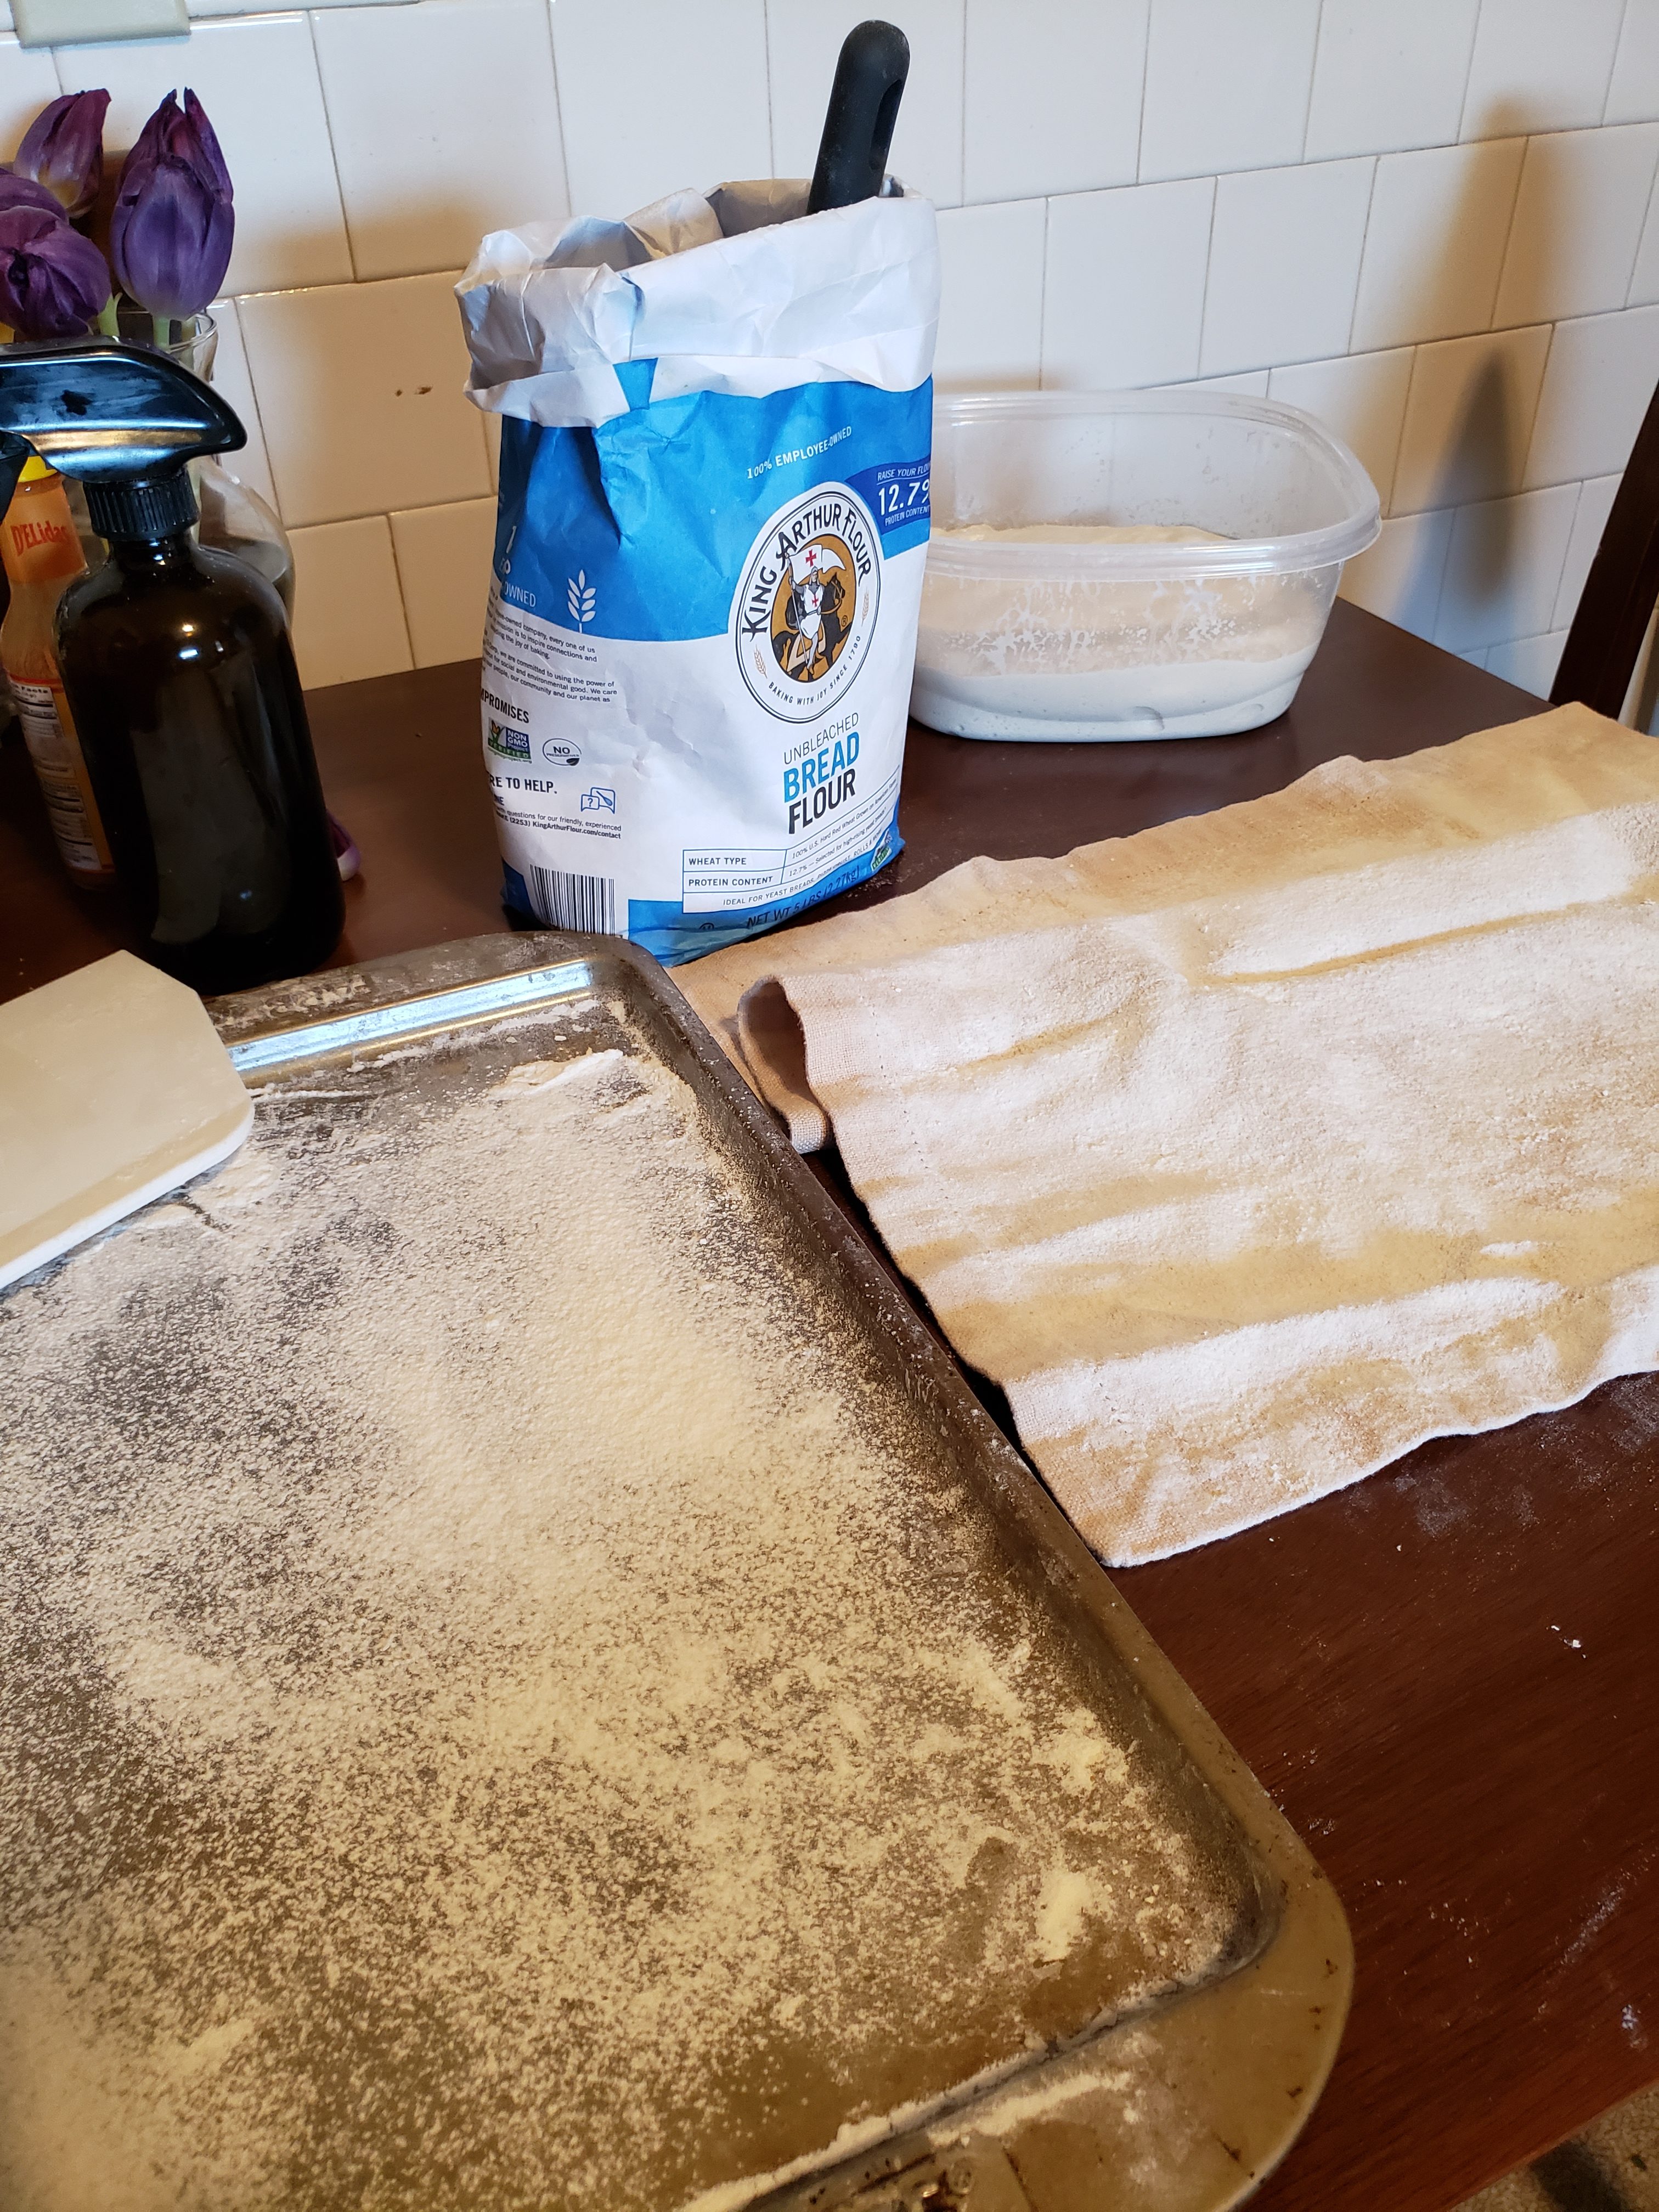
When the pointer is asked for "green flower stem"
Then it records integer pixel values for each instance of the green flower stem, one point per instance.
(107, 322)
(162, 325)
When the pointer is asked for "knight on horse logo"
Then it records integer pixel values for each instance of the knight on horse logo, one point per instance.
(813, 610)
(806, 610)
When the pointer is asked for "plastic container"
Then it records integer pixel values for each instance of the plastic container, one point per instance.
(1130, 640)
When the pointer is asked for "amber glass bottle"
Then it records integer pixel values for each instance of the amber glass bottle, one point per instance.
(180, 672)
(41, 548)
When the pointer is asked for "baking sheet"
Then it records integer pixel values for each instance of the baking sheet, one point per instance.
(898, 1865)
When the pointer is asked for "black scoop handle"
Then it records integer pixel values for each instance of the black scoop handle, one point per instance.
(864, 103)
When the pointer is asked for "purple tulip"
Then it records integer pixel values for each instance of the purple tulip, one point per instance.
(171, 233)
(17, 192)
(53, 282)
(63, 150)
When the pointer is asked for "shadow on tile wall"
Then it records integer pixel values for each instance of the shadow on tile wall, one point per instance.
(1493, 415)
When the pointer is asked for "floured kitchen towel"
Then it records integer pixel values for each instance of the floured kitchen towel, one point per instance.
(1248, 1152)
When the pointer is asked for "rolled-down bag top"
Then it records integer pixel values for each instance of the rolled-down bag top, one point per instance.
(716, 419)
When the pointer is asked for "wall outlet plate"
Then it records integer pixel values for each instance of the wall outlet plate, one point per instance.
(86, 22)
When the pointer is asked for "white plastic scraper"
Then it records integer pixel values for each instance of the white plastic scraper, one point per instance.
(113, 1088)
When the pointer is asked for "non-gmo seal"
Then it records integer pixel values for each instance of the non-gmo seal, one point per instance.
(806, 610)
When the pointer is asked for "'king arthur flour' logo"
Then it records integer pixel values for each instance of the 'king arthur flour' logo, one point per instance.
(806, 610)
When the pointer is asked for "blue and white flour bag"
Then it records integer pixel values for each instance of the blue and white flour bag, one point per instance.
(716, 419)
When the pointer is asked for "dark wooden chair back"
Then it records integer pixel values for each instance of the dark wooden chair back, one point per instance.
(1617, 603)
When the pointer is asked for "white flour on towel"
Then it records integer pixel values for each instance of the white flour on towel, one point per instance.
(1250, 1152)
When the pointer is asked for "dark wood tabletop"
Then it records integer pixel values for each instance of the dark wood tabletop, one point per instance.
(1448, 1676)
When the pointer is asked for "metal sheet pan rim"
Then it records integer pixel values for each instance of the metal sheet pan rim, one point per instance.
(1204, 2045)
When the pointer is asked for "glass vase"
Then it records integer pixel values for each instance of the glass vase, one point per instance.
(234, 518)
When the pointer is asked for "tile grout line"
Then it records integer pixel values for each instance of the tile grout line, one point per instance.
(1613, 64)
(1400, 446)
(1537, 408)
(1313, 79)
(403, 596)
(1209, 269)
(558, 107)
(1509, 238)
(1641, 236)
(235, 306)
(1399, 434)
(1042, 302)
(333, 154)
(962, 114)
(1566, 554)
(1468, 73)
(1364, 241)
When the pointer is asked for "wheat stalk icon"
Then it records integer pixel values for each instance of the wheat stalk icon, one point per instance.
(580, 598)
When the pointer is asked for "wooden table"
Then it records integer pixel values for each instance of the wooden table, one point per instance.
(1447, 1675)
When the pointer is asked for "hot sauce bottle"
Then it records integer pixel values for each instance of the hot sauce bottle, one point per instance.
(42, 551)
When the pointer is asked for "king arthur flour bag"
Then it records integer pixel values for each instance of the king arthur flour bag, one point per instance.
(715, 429)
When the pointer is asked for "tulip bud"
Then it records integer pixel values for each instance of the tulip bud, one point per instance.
(53, 282)
(63, 150)
(170, 235)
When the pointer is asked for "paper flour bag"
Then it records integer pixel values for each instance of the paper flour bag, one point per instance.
(715, 429)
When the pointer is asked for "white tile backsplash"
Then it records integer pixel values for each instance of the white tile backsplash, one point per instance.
(1227, 86)
(1529, 662)
(1645, 277)
(28, 81)
(1359, 396)
(252, 467)
(1434, 245)
(1427, 222)
(360, 393)
(1284, 262)
(1468, 419)
(258, 81)
(1600, 377)
(1399, 577)
(347, 611)
(1577, 222)
(1540, 66)
(990, 324)
(443, 566)
(1633, 94)
(654, 95)
(1123, 291)
(803, 38)
(1590, 519)
(477, 144)
(1251, 380)
(1030, 128)
(1388, 75)
(1503, 566)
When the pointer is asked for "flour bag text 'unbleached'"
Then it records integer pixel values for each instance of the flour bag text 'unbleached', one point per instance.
(716, 419)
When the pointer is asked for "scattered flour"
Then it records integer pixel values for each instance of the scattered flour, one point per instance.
(500, 1708)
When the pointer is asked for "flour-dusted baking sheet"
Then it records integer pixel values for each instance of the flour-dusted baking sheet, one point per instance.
(531, 1683)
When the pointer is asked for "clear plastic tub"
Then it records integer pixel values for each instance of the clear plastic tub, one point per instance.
(1129, 639)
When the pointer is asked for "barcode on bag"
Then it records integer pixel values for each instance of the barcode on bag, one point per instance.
(565, 901)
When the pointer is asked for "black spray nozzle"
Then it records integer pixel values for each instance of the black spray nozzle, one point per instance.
(110, 415)
(864, 104)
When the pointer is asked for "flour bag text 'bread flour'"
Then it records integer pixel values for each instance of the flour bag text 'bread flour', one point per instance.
(716, 419)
